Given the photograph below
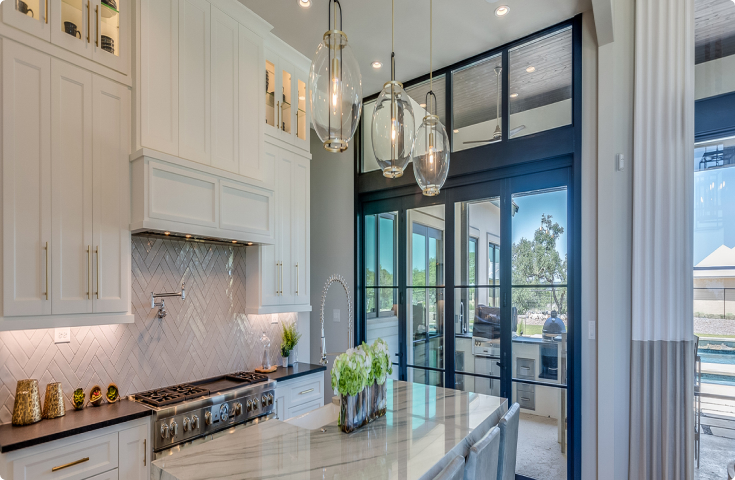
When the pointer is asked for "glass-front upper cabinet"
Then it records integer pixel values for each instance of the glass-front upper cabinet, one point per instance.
(31, 16)
(94, 29)
(286, 114)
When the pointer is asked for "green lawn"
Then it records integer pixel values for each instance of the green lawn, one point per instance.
(531, 330)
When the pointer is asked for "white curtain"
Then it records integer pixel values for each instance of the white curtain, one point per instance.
(662, 360)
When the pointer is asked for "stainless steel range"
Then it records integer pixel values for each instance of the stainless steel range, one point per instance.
(195, 412)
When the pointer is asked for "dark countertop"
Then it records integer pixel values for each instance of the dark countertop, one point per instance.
(298, 370)
(73, 423)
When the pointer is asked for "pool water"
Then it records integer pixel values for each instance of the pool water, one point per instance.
(722, 358)
(718, 357)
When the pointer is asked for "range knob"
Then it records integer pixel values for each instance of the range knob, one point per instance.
(164, 430)
(194, 422)
(187, 424)
(238, 408)
(224, 412)
(264, 401)
(270, 399)
(255, 404)
(208, 418)
(250, 405)
(173, 428)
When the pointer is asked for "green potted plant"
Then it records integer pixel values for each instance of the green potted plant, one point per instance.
(350, 376)
(289, 339)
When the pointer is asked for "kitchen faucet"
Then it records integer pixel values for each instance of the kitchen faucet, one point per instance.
(330, 281)
(162, 312)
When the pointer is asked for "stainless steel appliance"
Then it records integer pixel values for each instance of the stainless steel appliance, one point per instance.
(200, 411)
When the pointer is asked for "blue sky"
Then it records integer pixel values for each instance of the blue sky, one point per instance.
(530, 209)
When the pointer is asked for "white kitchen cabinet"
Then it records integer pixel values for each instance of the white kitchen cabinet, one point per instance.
(111, 187)
(278, 275)
(26, 180)
(195, 81)
(300, 395)
(117, 452)
(66, 194)
(79, 26)
(225, 90)
(157, 104)
(252, 161)
(31, 18)
(71, 189)
(133, 444)
(287, 115)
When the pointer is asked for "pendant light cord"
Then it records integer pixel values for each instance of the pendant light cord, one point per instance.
(431, 45)
(392, 40)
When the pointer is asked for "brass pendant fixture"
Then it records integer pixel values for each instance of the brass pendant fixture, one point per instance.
(393, 124)
(335, 87)
(430, 151)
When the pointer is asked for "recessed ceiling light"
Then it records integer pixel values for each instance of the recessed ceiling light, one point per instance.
(502, 10)
(422, 105)
(304, 3)
(377, 64)
(531, 69)
(456, 130)
(513, 95)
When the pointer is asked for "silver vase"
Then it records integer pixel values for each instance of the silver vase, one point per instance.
(353, 411)
(377, 401)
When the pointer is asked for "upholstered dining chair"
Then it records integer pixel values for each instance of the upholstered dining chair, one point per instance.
(508, 426)
(453, 471)
(482, 462)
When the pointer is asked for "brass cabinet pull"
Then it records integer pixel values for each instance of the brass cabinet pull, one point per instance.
(306, 391)
(89, 21)
(277, 281)
(97, 251)
(297, 278)
(278, 115)
(145, 452)
(97, 33)
(46, 292)
(281, 125)
(281, 278)
(70, 464)
(89, 271)
(46, 12)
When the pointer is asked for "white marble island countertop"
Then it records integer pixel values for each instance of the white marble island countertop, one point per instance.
(422, 424)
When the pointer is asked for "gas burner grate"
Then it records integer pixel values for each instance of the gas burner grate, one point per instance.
(161, 397)
(247, 377)
(189, 391)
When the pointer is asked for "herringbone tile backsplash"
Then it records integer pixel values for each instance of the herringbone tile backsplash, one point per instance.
(203, 336)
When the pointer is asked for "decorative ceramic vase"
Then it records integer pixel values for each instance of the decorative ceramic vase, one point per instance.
(53, 403)
(292, 358)
(377, 401)
(353, 411)
(27, 407)
(284, 362)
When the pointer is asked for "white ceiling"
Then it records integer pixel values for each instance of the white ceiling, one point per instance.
(462, 28)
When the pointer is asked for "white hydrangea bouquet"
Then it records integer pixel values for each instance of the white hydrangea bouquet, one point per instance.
(358, 377)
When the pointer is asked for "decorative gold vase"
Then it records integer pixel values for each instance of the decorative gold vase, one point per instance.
(27, 407)
(53, 404)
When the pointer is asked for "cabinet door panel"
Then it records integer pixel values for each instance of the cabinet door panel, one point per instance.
(159, 76)
(71, 188)
(302, 118)
(286, 96)
(26, 180)
(284, 223)
(31, 21)
(194, 80)
(300, 229)
(252, 109)
(112, 24)
(79, 13)
(224, 92)
(134, 462)
(272, 99)
(111, 173)
(270, 254)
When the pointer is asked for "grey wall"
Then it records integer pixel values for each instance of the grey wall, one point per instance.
(614, 241)
(332, 246)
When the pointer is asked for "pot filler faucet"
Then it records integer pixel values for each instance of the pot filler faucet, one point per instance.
(162, 305)
(330, 281)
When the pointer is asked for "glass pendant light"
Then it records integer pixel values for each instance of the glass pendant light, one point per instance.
(335, 87)
(393, 123)
(430, 151)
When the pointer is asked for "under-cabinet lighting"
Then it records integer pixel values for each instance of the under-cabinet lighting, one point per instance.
(167, 233)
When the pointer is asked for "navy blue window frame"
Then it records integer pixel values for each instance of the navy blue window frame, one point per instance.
(511, 165)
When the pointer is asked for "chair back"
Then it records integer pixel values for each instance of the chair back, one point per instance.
(508, 426)
(453, 471)
(482, 462)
